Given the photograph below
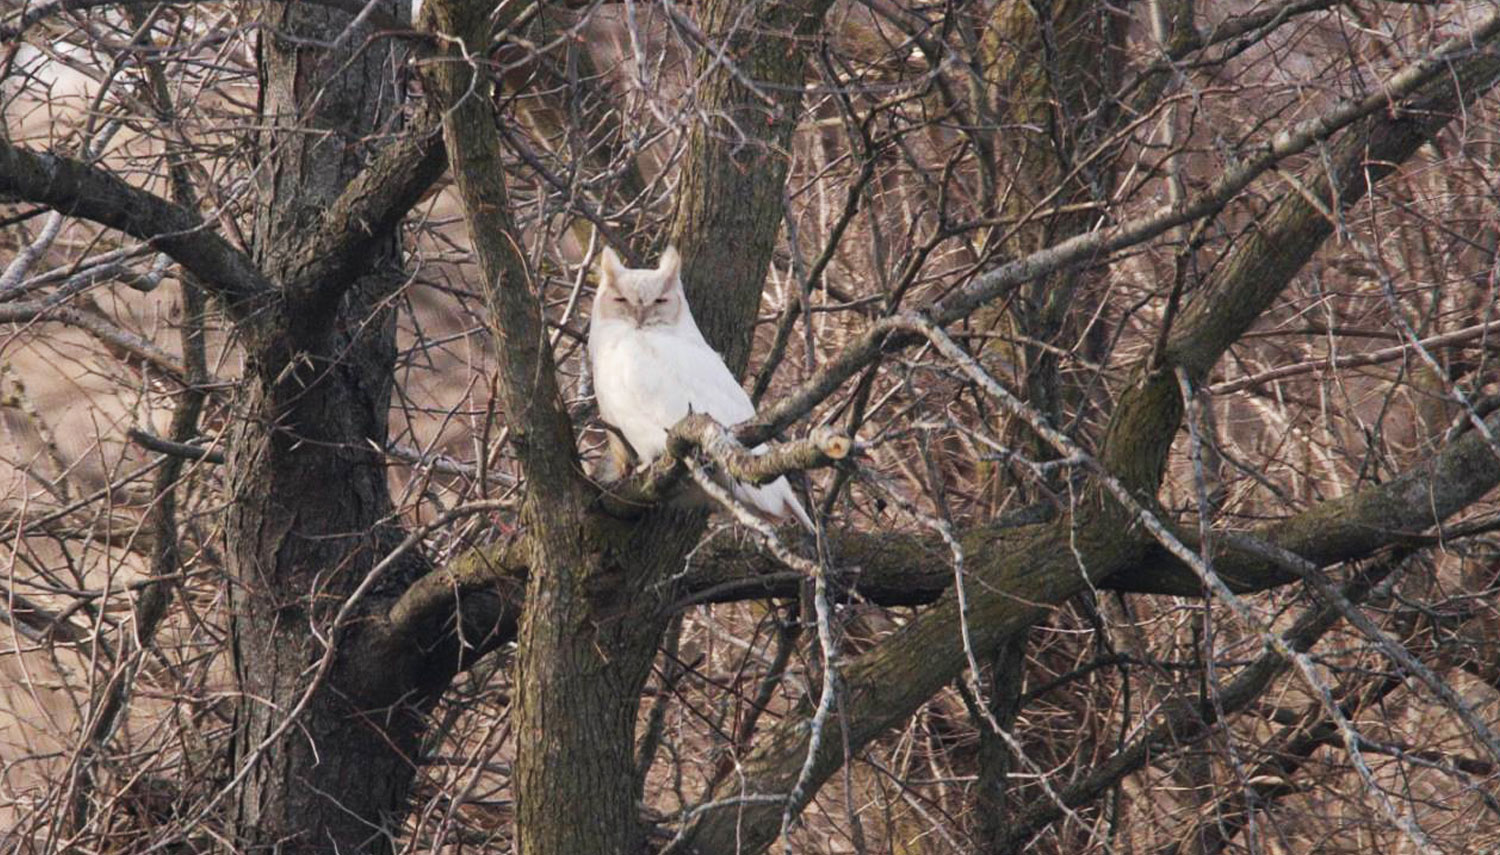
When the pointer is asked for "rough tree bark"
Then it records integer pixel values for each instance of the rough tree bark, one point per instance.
(1048, 76)
(730, 202)
(328, 753)
(581, 665)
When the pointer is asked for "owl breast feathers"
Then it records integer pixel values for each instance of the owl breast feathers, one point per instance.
(652, 367)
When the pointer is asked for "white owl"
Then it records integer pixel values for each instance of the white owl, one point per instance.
(651, 367)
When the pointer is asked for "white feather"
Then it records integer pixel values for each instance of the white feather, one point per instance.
(648, 378)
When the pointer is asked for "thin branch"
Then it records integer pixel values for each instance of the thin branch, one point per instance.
(1374, 357)
(1192, 723)
(182, 450)
(124, 342)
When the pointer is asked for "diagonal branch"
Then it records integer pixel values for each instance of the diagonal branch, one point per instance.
(1427, 81)
(365, 215)
(128, 346)
(79, 190)
(1407, 109)
(1398, 511)
(1245, 284)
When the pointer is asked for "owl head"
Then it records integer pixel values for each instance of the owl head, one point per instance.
(641, 297)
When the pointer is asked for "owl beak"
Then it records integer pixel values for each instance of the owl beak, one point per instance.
(640, 313)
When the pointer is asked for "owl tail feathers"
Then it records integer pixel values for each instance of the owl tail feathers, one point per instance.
(775, 500)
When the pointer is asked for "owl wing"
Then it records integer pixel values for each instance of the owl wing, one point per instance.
(674, 375)
(647, 382)
(712, 389)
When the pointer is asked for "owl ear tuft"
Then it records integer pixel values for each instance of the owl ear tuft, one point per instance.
(670, 263)
(610, 267)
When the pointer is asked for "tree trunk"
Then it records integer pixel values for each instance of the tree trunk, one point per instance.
(730, 202)
(330, 754)
(590, 628)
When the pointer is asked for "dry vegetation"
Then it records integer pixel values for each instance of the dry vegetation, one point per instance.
(933, 145)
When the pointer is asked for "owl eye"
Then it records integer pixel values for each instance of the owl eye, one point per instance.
(619, 299)
(660, 300)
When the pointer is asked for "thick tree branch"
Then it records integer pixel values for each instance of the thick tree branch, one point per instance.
(1400, 511)
(371, 207)
(1245, 284)
(458, 613)
(886, 684)
(79, 190)
(906, 569)
(364, 217)
(1430, 83)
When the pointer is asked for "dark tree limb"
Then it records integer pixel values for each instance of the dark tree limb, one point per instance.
(1397, 512)
(462, 611)
(365, 215)
(77, 189)
(905, 569)
(170, 448)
